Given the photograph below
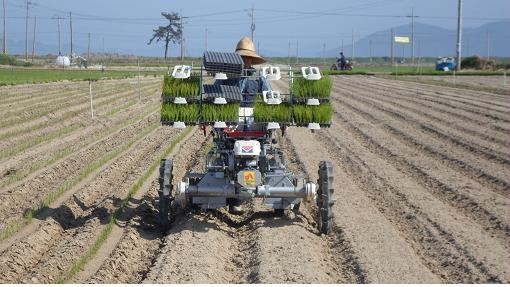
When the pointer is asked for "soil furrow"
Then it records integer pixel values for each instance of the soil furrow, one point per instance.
(344, 257)
(141, 228)
(38, 93)
(439, 248)
(421, 182)
(464, 126)
(459, 162)
(493, 157)
(72, 138)
(82, 215)
(474, 98)
(65, 116)
(56, 92)
(73, 116)
(493, 84)
(418, 97)
(253, 248)
(200, 247)
(426, 97)
(375, 248)
(481, 208)
(35, 115)
(445, 109)
(28, 195)
(20, 168)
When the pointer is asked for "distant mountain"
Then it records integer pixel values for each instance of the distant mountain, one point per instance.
(433, 41)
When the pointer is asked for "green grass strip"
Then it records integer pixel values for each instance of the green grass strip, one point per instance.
(105, 233)
(37, 140)
(70, 183)
(14, 76)
(121, 108)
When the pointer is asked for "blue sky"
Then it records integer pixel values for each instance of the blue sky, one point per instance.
(125, 26)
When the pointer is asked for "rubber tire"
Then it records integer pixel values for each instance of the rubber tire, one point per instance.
(325, 198)
(165, 193)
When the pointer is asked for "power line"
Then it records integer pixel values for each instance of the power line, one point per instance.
(275, 19)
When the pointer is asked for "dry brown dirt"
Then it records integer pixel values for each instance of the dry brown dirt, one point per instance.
(421, 178)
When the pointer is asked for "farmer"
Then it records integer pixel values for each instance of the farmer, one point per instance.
(249, 84)
(342, 61)
(246, 49)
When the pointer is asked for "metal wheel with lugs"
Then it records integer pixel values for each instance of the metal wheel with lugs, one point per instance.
(165, 193)
(325, 198)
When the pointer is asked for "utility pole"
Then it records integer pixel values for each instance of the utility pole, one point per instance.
(370, 49)
(488, 45)
(88, 48)
(252, 27)
(139, 88)
(467, 46)
(71, 29)
(459, 35)
(58, 25)
(5, 32)
(182, 38)
(103, 60)
(412, 35)
(26, 33)
(352, 57)
(90, 96)
(288, 60)
(297, 52)
(324, 53)
(391, 46)
(33, 40)
(206, 39)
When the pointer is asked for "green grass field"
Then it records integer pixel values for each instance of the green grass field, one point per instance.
(18, 75)
(408, 71)
(15, 76)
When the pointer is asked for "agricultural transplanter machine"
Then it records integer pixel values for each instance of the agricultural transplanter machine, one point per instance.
(244, 112)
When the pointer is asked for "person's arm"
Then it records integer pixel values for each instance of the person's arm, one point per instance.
(264, 84)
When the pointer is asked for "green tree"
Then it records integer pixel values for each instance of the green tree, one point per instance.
(169, 33)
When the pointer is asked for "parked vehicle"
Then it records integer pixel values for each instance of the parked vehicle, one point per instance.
(446, 64)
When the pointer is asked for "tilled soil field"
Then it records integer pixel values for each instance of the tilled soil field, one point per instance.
(421, 178)
(498, 84)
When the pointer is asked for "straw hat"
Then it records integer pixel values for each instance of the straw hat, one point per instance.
(246, 48)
